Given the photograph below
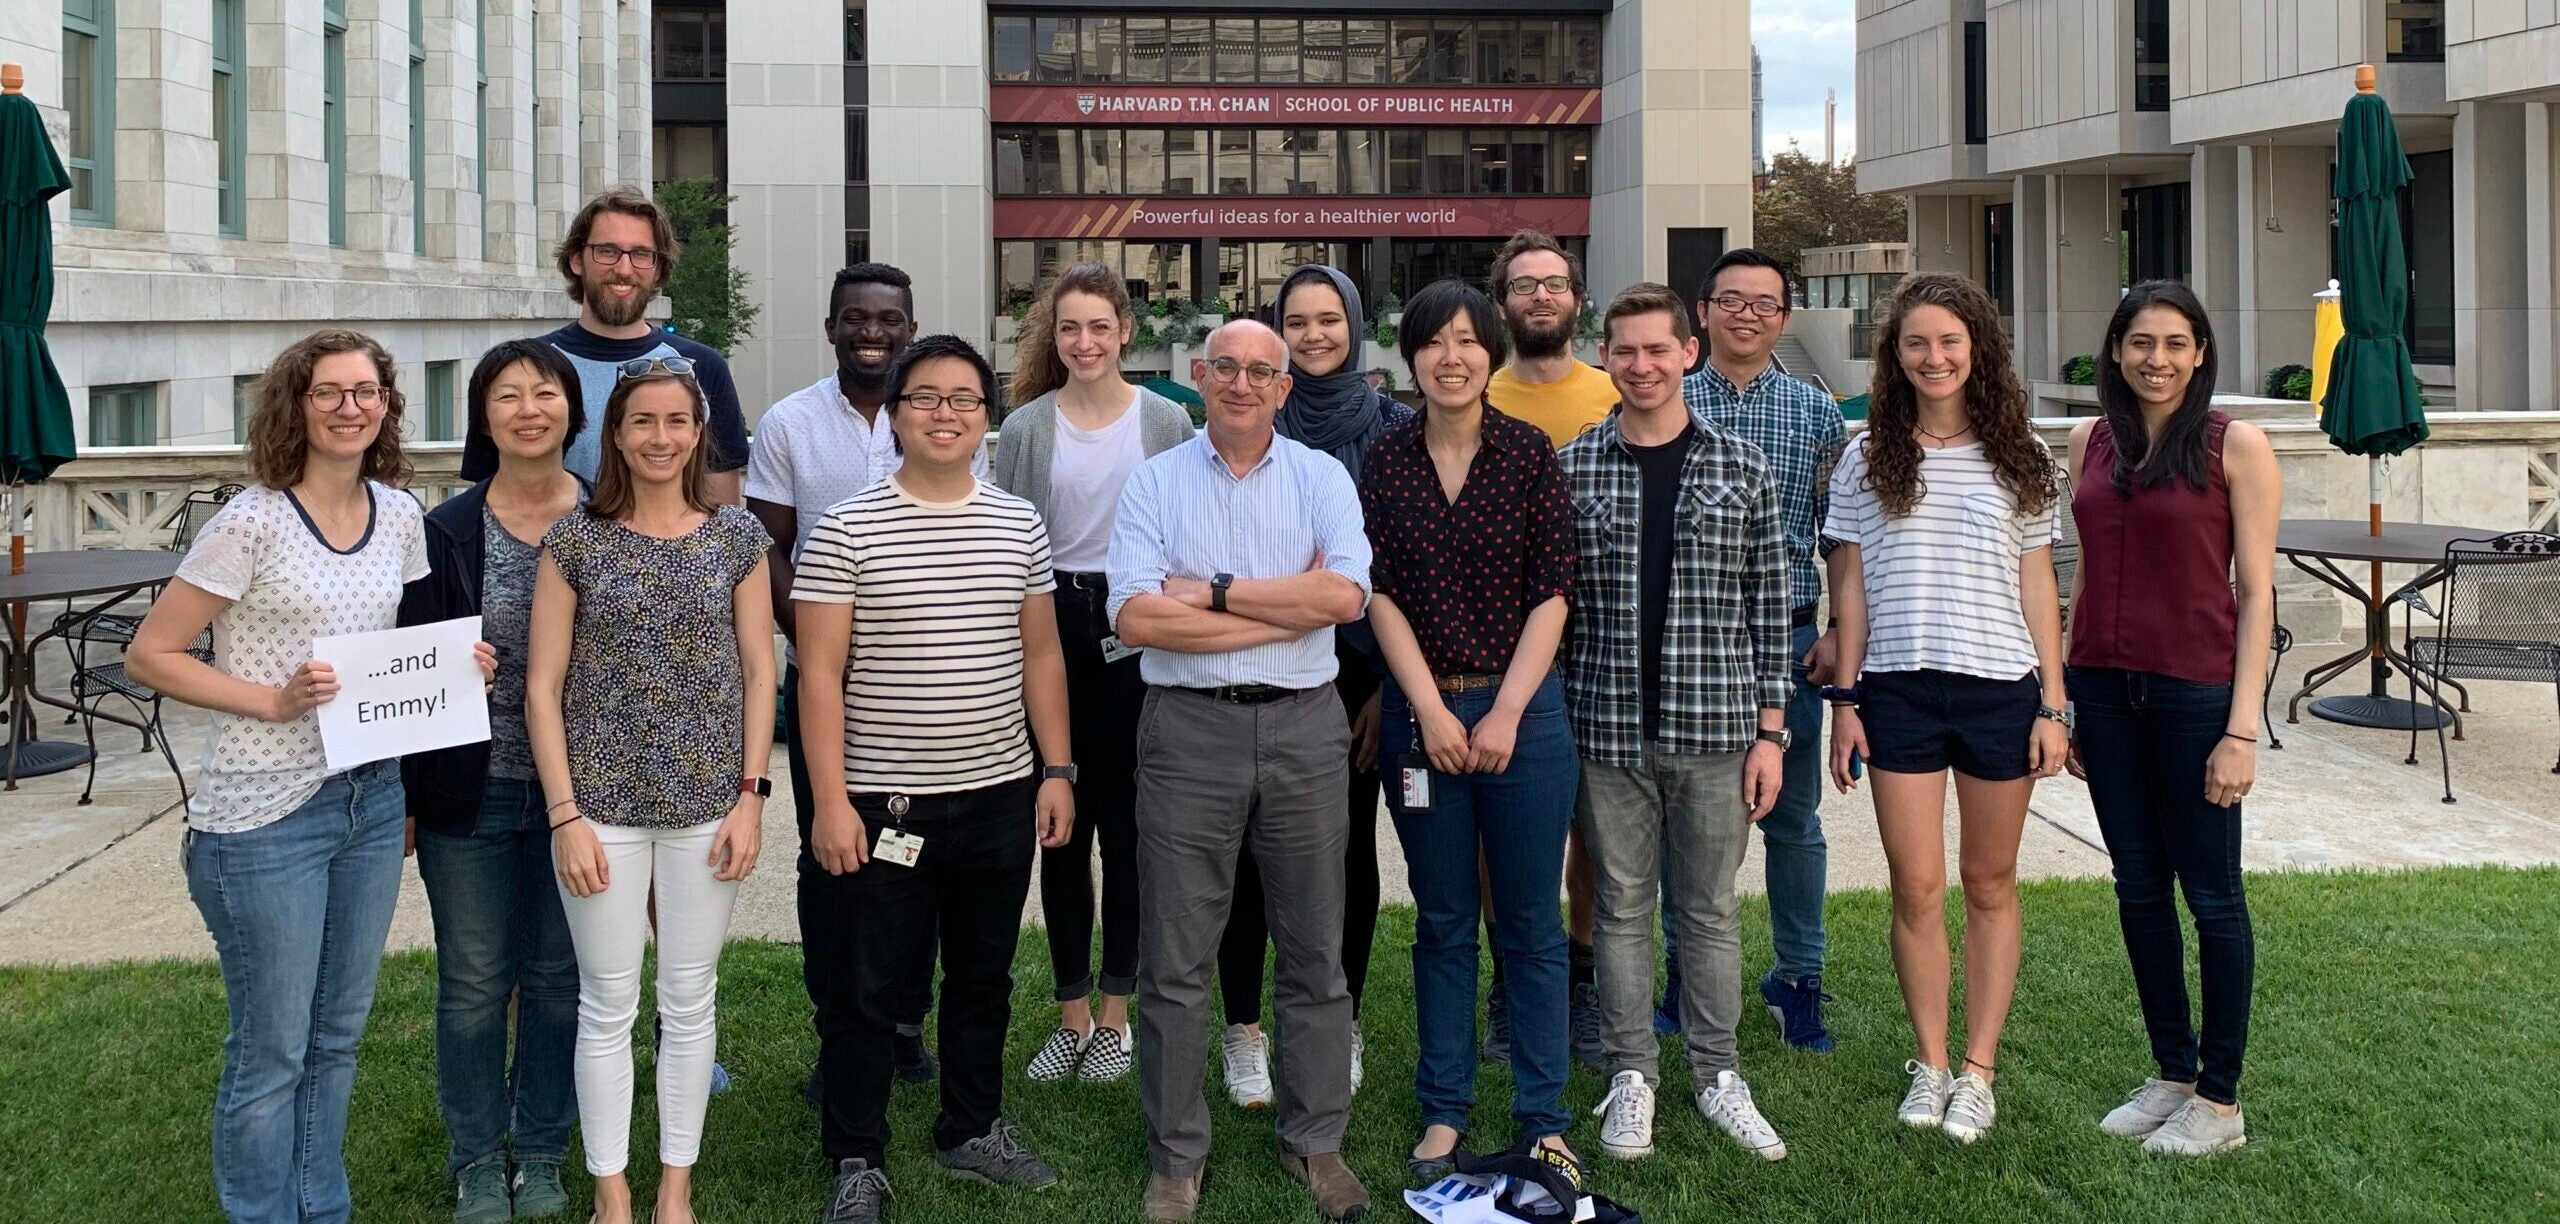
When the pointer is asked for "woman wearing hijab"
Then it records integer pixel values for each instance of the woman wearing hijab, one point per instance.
(1332, 408)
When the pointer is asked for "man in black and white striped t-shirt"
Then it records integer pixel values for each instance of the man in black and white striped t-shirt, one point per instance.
(927, 642)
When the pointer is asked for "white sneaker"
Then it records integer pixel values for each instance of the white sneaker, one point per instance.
(1729, 1106)
(1925, 1106)
(1626, 1117)
(2197, 1129)
(1970, 1109)
(1355, 1057)
(1248, 1056)
(2154, 1103)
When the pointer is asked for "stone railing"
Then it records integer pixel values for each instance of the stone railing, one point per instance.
(127, 497)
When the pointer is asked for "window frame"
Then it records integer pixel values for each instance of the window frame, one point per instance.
(231, 113)
(333, 113)
(96, 21)
(138, 399)
(417, 128)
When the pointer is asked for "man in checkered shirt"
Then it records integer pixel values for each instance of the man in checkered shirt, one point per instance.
(1676, 686)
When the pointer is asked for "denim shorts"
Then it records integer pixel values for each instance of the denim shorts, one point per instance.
(1924, 721)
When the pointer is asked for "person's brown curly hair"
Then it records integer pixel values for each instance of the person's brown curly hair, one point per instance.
(1037, 368)
(279, 436)
(1995, 405)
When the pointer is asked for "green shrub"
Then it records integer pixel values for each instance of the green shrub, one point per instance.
(2081, 371)
(1384, 333)
(2291, 381)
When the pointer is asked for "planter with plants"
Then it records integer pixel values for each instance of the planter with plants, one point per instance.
(2081, 371)
(2289, 382)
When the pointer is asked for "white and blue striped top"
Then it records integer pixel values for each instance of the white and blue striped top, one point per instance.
(1941, 581)
(1184, 514)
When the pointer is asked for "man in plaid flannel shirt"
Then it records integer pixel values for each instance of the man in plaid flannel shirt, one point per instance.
(1676, 686)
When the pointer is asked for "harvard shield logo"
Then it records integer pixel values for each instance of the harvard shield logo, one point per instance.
(1084, 104)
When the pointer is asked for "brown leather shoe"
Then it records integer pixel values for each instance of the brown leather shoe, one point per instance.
(1339, 1194)
(1171, 1200)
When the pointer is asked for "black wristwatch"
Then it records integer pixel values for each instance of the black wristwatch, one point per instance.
(1067, 773)
(1835, 695)
(1218, 584)
(1782, 737)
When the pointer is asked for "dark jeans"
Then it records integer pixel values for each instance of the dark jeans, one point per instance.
(862, 934)
(915, 993)
(2144, 740)
(1519, 817)
(1102, 704)
(501, 933)
(1240, 951)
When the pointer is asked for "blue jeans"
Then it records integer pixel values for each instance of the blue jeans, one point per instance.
(2144, 740)
(298, 909)
(500, 932)
(1519, 817)
(1797, 860)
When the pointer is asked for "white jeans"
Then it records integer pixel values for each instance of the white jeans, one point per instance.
(611, 930)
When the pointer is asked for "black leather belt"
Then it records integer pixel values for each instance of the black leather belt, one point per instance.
(1099, 584)
(1801, 617)
(1245, 694)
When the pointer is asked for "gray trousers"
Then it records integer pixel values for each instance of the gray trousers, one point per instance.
(1684, 815)
(1212, 775)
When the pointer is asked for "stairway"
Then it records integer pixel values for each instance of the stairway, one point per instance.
(1796, 360)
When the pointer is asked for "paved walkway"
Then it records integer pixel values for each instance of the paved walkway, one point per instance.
(84, 884)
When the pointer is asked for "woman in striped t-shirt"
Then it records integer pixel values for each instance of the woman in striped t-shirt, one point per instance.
(1943, 586)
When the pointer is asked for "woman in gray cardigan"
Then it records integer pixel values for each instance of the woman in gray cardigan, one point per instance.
(1080, 430)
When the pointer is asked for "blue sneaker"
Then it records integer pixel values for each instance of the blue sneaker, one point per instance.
(1798, 1010)
(1666, 1014)
(719, 1078)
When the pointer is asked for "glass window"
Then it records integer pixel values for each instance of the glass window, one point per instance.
(1053, 161)
(857, 144)
(1319, 172)
(1360, 162)
(856, 40)
(679, 45)
(1364, 52)
(124, 415)
(231, 116)
(1100, 59)
(1186, 170)
(1450, 39)
(1539, 43)
(1013, 50)
(439, 419)
(1280, 50)
(1573, 161)
(1323, 51)
(1497, 53)
(1444, 162)
(1529, 160)
(89, 102)
(1235, 50)
(1232, 257)
(1188, 57)
(1142, 161)
(2150, 57)
(1404, 161)
(417, 129)
(1053, 48)
(691, 150)
(1017, 276)
(1273, 162)
(857, 247)
(333, 114)
(1013, 161)
(1101, 161)
(1488, 162)
(1161, 269)
(1412, 48)
(1235, 161)
(1146, 55)
(1581, 53)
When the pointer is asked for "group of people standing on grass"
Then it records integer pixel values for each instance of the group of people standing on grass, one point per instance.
(1568, 620)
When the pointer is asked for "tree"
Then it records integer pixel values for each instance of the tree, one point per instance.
(1810, 204)
(708, 294)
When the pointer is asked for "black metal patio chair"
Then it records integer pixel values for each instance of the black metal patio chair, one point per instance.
(2501, 621)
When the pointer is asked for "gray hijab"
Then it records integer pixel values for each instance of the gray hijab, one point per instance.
(1337, 413)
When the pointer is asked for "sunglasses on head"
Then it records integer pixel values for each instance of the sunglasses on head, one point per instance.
(641, 367)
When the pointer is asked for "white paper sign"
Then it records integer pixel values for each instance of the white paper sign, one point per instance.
(401, 691)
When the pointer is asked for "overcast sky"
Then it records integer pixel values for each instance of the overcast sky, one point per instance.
(1806, 47)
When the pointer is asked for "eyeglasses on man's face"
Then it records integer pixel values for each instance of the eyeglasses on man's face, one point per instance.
(963, 403)
(327, 396)
(1760, 307)
(1258, 376)
(1523, 286)
(605, 254)
(642, 367)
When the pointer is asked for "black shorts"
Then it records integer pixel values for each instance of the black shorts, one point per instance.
(1925, 721)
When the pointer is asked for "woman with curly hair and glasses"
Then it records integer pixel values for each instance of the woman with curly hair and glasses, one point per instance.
(1943, 583)
(295, 868)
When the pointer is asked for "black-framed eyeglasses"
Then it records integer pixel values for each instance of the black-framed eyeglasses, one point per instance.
(642, 367)
(327, 397)
(607, 254)
(1257, 376)
(1761, 307)
(963, 403)
(1523, 286)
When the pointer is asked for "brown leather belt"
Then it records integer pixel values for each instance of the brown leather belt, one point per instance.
(1466, 682)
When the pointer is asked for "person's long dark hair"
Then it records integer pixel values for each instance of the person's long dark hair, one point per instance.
(1994, 404)
(2143, 461)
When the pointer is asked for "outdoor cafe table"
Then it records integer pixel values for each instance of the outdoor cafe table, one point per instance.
(2316, 547)
(63, 575)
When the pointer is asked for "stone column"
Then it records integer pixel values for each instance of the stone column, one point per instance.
(932, 202)
(557, 179)
(2490, 271)
(451, 194)
(599, 97)
(166, 177)
(379, 201)
(2087, 271)
(508, 210)
(2032, 251)
(2284, 253)
(288, 175)
(634, 69)
(2214, 230)
(1673, 150)
(2542, 254)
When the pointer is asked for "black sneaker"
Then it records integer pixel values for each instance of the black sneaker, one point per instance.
(1497, 1030)
(1583, 1025)
(998, 1159)
(861, 1191)
(914, 1063)
(1797, 1007)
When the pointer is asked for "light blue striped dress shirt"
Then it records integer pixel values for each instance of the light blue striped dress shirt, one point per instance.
(1183, 514)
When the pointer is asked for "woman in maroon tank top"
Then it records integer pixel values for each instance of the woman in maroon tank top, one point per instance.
(2171, 613)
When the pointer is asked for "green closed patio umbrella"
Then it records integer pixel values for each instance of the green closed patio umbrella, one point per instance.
(35, 413)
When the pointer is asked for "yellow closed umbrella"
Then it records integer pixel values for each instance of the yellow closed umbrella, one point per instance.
(2326, 328)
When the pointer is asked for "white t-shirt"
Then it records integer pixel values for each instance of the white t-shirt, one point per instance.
(813, 448)
(287, 587)
(1086, 469)
(933, 675)
(1941, 581)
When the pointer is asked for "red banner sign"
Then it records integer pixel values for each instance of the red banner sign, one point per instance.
(1293, 106)
(1290, 217)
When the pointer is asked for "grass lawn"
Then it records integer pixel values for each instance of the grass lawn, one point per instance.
(2405, 1047)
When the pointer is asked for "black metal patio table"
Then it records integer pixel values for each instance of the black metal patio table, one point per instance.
(63, 575)
(2316, 546)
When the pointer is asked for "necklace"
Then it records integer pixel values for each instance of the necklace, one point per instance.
(1942, 439)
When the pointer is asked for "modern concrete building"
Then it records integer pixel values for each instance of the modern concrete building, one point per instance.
(1205, 148)
(247, 170)
(2057, 150)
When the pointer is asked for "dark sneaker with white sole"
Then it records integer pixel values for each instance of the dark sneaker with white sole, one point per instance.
(860, 1192)
(998, 1159)
(480, 1191)
(538, 1191)
(1797, 1007)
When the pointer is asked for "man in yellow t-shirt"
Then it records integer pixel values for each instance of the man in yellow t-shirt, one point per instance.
(1540, 290)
